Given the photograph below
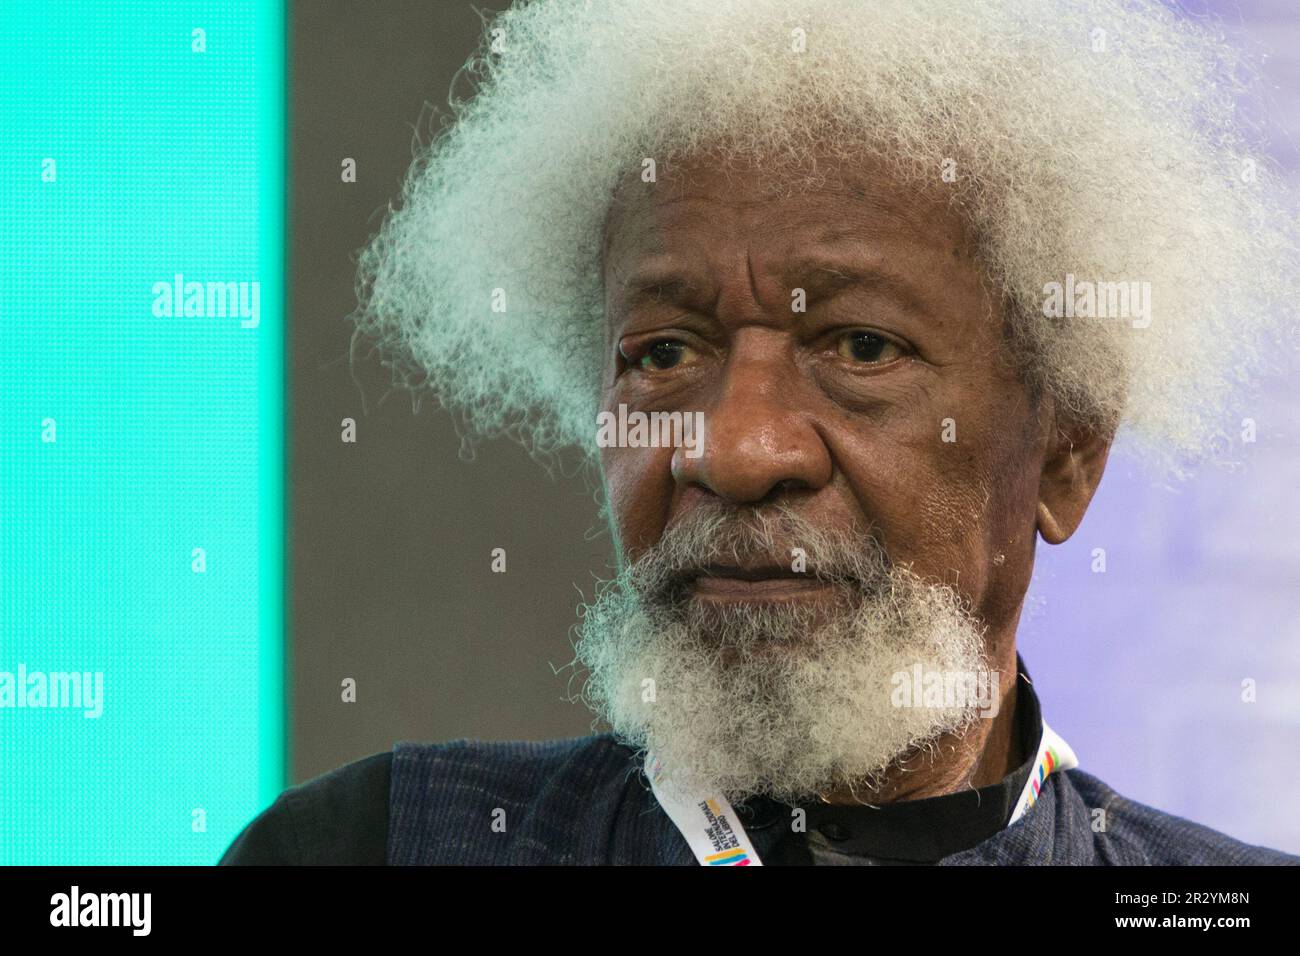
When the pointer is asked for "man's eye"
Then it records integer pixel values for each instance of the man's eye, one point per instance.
(869, 347)
(662, 355)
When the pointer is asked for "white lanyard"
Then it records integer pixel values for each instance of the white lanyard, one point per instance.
(708, 822)
(716, 837)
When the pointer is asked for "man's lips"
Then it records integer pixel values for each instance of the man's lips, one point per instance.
(772, 583)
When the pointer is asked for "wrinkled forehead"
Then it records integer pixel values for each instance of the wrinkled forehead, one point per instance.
(827, 199)
(836, 215)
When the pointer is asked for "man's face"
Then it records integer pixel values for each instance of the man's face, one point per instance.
(864, 498)
(849, 361)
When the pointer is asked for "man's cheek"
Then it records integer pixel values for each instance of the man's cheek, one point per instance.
(639, 486)
(931, 520)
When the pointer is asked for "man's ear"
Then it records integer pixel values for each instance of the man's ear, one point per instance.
(1072, 466)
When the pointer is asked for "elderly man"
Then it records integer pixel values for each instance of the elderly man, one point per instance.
(912, 267)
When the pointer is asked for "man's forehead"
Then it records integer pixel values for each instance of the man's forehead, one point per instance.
(841, 224)
(820, 273)
(834, 206)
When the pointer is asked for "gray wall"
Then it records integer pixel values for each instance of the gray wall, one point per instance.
(391, 538)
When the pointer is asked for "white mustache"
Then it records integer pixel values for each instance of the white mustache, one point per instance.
(765, 543)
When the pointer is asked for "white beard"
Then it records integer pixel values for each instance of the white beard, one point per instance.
(766, 698)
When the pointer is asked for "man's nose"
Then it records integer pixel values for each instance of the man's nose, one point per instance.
(758, 435)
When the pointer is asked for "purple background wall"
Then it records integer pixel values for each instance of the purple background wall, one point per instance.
(1141, 667)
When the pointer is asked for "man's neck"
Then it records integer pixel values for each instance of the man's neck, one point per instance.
(984, 755)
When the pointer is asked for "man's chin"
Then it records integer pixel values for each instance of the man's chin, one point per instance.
(772, 688)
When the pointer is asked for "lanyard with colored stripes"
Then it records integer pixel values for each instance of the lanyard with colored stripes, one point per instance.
(716, 837)
(1053, 754)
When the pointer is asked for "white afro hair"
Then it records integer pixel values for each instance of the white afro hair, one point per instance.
(1098, 138)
